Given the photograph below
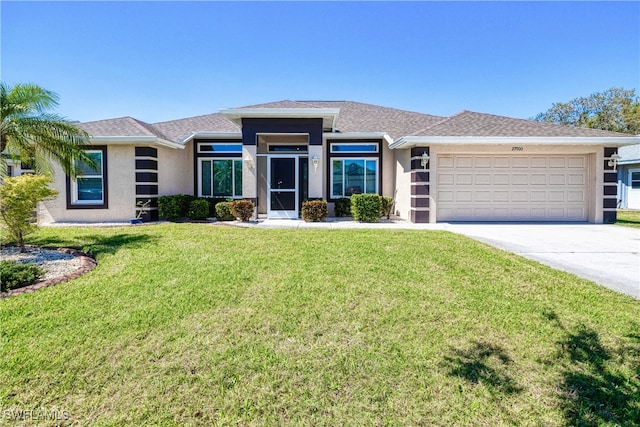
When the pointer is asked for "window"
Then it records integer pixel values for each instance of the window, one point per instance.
(221, 147)
(354, 148)
(90, 189)
(89, 186)
(353, 176)
(220, 177)
(635, 180)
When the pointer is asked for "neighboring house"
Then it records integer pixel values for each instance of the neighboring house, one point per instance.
(629, 177)
(480, 167)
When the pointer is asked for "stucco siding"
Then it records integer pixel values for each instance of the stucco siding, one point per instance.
(121, 192)
(175, 171)
(402, 170)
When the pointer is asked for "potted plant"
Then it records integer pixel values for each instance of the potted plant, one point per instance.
(140, 212)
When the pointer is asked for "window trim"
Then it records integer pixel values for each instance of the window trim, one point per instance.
(220, 144)
(376, 146)
(342, 159)
(233, 176)
(362, 155)
(72, 188)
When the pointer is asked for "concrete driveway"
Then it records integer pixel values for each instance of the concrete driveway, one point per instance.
(606, 254)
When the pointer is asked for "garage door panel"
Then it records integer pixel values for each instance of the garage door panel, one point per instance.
(520, 179)
(464, 179)
(501, 162)
(520, 162)
(501, 179)
(483, 162)
(512, 188)
(575, 179)
(538, 196)
(539, 162)
(445, 162)
(576, 162)
(575, 196)
(464, 162)
(483, 179)
(538, 179)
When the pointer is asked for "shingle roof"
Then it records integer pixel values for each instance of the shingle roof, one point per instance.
(178, 130)
(354, 117)
(360, 117)
(122, 126)
(469, 123)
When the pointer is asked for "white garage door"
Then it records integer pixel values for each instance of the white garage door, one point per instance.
(511, 188)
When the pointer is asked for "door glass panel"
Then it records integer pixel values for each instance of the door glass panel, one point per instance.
(635, 179)
(283, 174)
(303, 166)
(283, 200)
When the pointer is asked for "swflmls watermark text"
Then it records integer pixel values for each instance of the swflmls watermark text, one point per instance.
(34, 415)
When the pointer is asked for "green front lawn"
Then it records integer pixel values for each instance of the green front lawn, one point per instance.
(628, 218)
(198, 324)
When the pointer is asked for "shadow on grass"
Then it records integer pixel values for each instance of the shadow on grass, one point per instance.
(594, 391)
(484, 364)
(96, 245)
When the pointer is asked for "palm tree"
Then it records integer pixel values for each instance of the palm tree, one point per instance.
(32, 135)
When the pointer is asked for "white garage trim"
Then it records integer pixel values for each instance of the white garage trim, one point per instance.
(508, 187)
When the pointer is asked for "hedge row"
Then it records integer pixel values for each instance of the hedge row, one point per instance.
(179, 206)
(370, 207)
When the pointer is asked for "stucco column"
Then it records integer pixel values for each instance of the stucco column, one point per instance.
(316, 175)
(249, 165)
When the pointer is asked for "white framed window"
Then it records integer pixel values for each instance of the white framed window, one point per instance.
(89, 186)
(354, 148)
(220, 177)
(220, 147)
(353, 176)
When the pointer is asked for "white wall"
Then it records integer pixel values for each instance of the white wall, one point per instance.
(403, 183)
(175, 170)
(121, 192)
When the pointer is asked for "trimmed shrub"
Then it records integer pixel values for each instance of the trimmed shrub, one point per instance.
(16, 275)
(198, 209)
(387, 206)
(342, 207)
(173, 208)
(242, 209)
(184, 203)
(314, 210)
(366, 207)
(223, 211)
(169, 208)
(213, 201)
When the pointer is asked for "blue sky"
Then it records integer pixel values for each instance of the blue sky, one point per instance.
(159, 61)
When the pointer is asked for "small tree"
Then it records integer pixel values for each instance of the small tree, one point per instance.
(19, 197)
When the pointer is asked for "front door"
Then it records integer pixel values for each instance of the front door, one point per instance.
(633, 193)
(282, 181)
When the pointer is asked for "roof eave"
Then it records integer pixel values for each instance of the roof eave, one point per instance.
(328, 115)
(412, 141)
(122, 140)
(213, 135)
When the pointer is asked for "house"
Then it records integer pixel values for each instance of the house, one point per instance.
(629, 177)
(467, 167)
